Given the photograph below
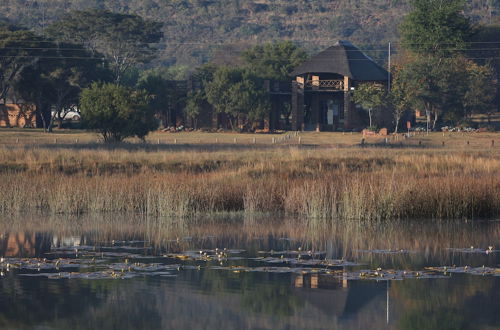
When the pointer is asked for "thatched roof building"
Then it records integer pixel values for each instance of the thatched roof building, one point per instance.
(344, 59)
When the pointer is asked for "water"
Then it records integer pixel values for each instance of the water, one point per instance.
(142, 274)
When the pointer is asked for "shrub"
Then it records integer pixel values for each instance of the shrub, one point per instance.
(117, 112)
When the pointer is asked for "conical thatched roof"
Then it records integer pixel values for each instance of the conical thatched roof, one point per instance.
(346, 59)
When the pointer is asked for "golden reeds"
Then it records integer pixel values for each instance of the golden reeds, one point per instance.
(320, 184)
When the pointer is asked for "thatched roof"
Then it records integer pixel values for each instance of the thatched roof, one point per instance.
(345, 59)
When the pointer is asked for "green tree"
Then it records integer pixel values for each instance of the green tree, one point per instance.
(117, 112)
(197, 99)
(437, 27)
(481, 90)
(19, 49)
(438, 86)
(125, 40)
(274, 60)
(371, 96)
(238, 94)
(400, 96)
(165, 97)
(194, 106)
(57, 78)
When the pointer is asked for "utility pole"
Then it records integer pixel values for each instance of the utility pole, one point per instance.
(389, 69)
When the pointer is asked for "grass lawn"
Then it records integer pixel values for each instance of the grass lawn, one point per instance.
(454, 140)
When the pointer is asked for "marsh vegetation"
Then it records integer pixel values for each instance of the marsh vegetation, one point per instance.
(321, 182)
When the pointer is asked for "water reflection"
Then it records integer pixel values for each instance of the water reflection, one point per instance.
(211, 298)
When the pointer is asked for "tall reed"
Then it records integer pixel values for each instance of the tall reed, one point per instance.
(371, 184)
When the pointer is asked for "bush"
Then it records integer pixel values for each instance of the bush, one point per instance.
(117, 112)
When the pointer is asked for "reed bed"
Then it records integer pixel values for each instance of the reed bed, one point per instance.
(316, 183)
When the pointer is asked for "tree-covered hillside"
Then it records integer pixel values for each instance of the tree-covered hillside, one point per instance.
(195, 29)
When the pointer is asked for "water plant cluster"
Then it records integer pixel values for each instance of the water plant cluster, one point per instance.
(101, 262)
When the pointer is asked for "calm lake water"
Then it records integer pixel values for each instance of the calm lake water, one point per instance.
(120, 273)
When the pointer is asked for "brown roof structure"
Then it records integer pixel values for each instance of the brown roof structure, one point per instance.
(345, 59)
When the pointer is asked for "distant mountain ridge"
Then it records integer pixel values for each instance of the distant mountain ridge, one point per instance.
(195, 30)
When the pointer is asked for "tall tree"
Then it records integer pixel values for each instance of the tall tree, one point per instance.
(372, 97)
(274, 60)
(238, 94)
(401, 96)
(165, 95)
(481, 90)
(19, 49)
(125, 40)
(55, 82)
(437, 27)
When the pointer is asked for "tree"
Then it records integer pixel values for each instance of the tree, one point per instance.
(481, 90)
(400, 96)
(197, 99)
(125, 40)
(274, 60)
(55, 82)
(194, 106)
(19, 49)
(371, 96)
(436, 27)
(238, 94)
(164, 94)
(117, 112)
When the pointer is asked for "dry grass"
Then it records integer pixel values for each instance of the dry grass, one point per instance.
(321, 183)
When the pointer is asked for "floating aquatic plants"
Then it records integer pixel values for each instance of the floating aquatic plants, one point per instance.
(306, 262)
(389, 251)
(46, 264)
(467, 270)
(89, 262)
(389, 275)
(473, 249)
(101, 275)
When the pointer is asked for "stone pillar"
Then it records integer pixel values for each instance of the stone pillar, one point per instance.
(347, 104)
(315, 112)
(297, 107)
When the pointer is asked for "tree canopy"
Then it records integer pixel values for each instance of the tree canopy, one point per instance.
(274, 60)
(117, 112)
(239, 94)
(436, 27)
(124, 40)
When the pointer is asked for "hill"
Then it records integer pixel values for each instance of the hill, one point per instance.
(195, 30)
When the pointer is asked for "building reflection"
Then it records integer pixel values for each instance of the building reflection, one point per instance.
(24, 244)
(339, 297)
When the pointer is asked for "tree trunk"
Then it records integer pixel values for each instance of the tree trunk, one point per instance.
(434, 121)
(428, 120)
(370, 115)
(398, 118)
